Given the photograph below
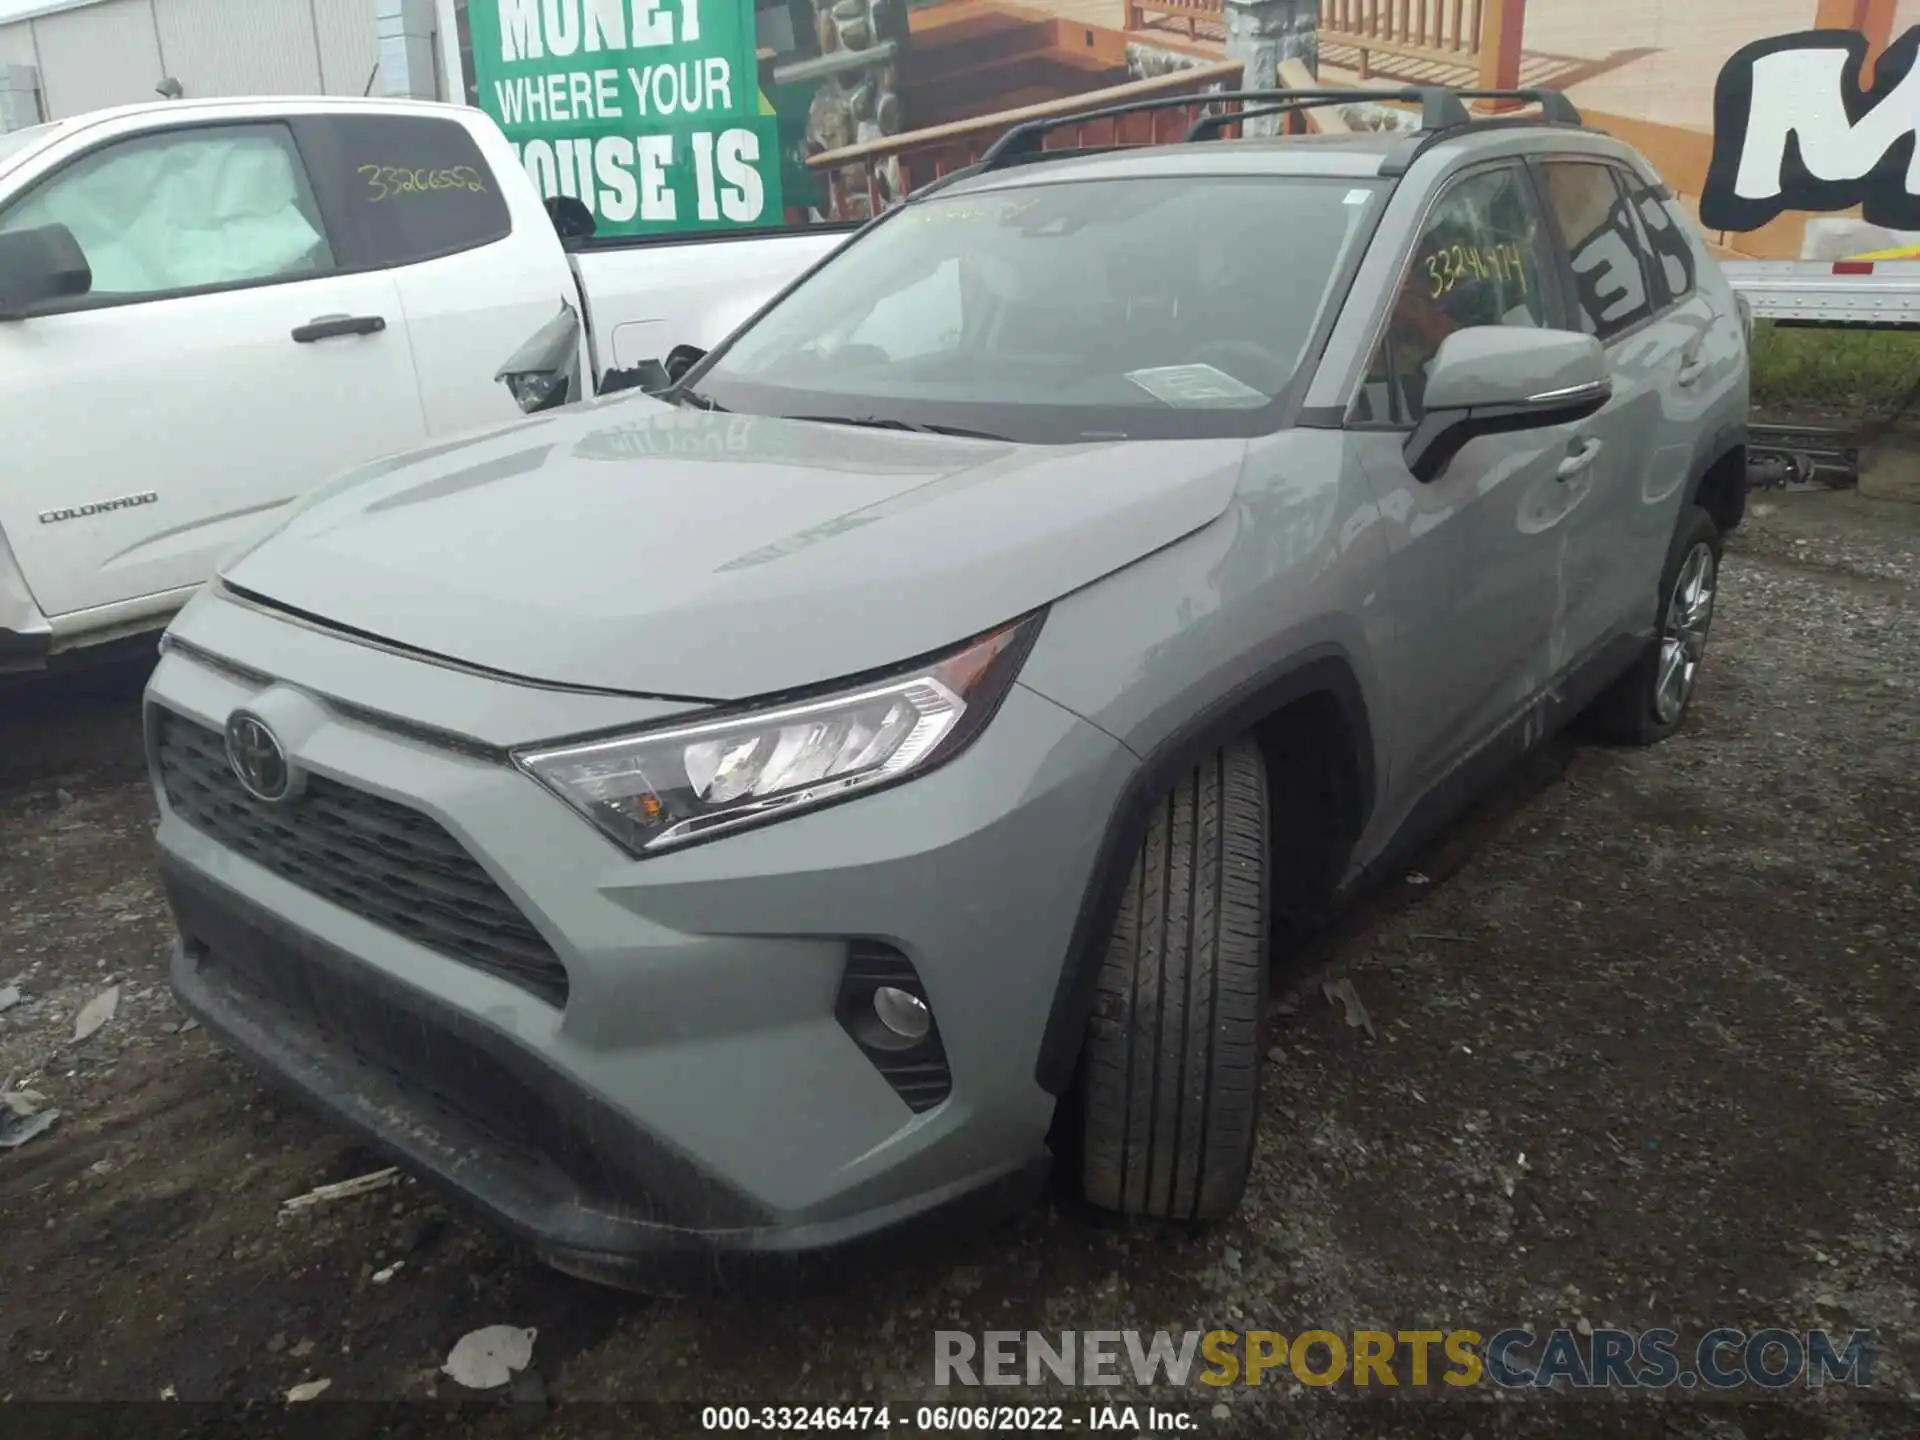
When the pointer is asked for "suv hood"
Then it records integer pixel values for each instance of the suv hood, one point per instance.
(628, 545)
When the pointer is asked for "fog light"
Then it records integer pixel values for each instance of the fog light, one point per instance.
(905, 1015)
(881, 1006)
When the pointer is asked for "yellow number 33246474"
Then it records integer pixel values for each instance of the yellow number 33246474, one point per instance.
(1451, 264)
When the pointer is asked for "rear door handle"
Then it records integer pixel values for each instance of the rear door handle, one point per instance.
(326, 327)
(1583, 457)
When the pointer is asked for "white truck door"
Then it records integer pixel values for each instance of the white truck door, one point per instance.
(224, 362)
(441, 203)
(646, 296)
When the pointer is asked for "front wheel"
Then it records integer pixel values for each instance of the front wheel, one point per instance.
(1172, 1060)
(1647, 704)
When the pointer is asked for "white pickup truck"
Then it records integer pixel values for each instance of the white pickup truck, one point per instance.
(207, 308)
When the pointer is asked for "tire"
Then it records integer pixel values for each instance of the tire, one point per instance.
(1171, 1066)
(1636, 709)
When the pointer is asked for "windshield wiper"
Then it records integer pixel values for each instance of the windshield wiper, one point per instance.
(702, 402)
(875, 422)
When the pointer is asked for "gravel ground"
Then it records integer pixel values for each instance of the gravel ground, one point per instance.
(1642, 1051)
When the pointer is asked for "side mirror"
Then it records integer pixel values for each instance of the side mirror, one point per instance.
(40, 265)
(681, 359)
(648, 375)
(571, 218)
(543, 372)
(1496, 379)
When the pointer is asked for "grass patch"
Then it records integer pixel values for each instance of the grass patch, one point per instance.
(1858, 374)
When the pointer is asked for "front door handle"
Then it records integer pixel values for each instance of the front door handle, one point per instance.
(326, 327)
(1583, 457)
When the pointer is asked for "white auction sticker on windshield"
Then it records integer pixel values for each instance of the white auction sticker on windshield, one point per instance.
(1196, 387)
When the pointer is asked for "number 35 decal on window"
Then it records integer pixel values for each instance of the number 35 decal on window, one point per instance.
(384, 182)
(1453, 265)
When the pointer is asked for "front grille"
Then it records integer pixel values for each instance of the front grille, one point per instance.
(444, 1085)
(382, 861)
(432, 1065)
(461, 1081)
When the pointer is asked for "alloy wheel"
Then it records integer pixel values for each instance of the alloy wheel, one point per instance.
(1683, 641)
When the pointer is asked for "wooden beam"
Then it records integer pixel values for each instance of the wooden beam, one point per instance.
(1322, 120)
(1872, 18)
(1502, 27)
(1174, 82)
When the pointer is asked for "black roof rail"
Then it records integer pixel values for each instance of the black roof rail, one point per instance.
(1208, 126)
(1438, 109)
(1442, 109)
(1555, 107)
(1024, 138)
(1215, 121)
(1400, 159)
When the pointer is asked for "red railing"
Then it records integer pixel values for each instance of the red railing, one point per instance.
(865, 179)
(1481, 36)
(1445, 32)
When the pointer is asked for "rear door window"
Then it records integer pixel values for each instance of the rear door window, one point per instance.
(401, 189)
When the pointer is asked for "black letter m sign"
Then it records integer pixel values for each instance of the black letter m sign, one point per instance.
(1793, 130)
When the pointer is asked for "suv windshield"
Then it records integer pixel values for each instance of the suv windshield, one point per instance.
(1057, 313)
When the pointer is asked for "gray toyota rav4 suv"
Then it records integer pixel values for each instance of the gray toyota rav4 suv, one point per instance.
(750, 814)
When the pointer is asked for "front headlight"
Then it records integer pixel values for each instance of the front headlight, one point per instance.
(661, 789)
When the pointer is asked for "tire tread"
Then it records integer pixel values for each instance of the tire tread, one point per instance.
(1171, 1064)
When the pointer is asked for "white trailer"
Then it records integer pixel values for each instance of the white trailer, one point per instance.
(1858, 294)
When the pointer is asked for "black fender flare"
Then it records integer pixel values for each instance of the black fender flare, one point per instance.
(1323, 669)
(1727, 440)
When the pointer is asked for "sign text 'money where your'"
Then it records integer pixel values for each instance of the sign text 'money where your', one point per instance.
(591, 76)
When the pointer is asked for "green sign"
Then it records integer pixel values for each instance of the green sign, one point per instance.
(648, 111)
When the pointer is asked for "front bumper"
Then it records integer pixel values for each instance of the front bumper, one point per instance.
(486, 1120)
(694, 1092)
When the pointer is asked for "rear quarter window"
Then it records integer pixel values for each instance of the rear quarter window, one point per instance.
(400, 189)
(1665, 226)
(1613, 282)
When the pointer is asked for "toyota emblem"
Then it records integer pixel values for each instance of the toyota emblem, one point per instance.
(258, 760)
